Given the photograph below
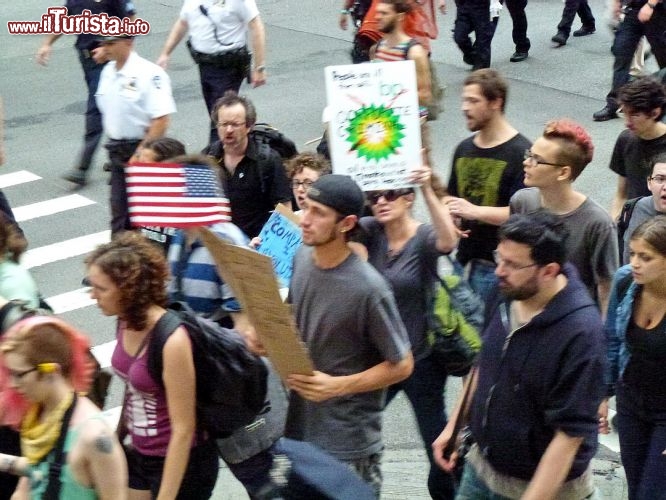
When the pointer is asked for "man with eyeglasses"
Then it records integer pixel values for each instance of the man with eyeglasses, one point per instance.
(554, 162)
(218, 32)
(533, 412)
(648, 206)
(252, 173)
(644, 105)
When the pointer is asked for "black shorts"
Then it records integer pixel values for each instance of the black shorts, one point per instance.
(145, 472)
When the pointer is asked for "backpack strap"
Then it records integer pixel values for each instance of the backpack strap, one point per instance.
(264, 165)
(54, 485)
(161, 332)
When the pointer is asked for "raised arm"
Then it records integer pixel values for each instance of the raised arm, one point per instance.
(445, 229)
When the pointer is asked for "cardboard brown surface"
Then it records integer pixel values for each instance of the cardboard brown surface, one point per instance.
(250, 275)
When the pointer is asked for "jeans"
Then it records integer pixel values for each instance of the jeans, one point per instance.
(94, 129)
(642, 433)
(482, 279)
(628, 35)
(215, 81)
(472, 487)
(516, 9)
(425, 391)
(571, 8)
(254, 473)
(474, 17)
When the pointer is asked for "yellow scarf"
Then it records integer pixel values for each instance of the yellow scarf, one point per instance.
(38, 439)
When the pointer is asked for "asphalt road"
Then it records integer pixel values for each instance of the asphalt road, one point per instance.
(44, 123)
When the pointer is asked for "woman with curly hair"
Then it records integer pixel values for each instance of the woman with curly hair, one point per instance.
(45, 363)
(166, 457)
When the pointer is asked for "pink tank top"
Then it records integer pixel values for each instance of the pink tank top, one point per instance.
(145, 407)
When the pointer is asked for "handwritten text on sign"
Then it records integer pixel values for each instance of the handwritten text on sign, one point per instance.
(375, 134)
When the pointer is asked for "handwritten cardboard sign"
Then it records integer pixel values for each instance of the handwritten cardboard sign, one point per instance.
(280, 238)
(374, 128)
(250, 275)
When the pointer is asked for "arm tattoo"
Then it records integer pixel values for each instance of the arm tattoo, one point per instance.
(104, 444)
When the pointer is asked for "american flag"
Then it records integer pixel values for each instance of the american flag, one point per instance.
(174, 195)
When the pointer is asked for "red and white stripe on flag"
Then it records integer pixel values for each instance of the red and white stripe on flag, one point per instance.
(175, 195)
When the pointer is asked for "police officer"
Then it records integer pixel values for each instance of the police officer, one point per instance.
(134, 96)
(85, 45)
(218, 32)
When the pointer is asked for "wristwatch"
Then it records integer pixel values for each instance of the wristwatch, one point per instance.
(260, 69)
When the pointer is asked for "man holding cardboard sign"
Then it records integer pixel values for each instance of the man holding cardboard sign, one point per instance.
(347, 316)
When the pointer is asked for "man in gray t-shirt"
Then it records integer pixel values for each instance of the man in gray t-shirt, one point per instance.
(556, 159)
(348, 318)
(648, 206)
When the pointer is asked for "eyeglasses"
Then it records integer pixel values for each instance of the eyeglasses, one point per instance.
(389, 195)
(533, 160)
(658, 179)
(306, 184)
(511, 266)
(18, 376)
(233, 125)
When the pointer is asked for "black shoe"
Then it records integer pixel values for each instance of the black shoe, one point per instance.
(518, 56)
(76, 176)
(584, 31)
(107, 166)
(468, 59)
(605, 114)
(560, 39)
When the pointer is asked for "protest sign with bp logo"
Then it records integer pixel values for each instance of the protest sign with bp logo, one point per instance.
(374, 129)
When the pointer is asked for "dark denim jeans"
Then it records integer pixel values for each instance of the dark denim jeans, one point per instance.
(94, 130)
(425, 390)
(642, 433)
(516, 9)
(628, 34)
(571, 8)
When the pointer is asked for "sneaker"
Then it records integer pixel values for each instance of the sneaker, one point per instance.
(560, 39)
(468, 59)
(518, 56)
(76, 176)
(584, 31)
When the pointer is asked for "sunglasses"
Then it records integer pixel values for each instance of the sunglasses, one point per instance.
(389, 195)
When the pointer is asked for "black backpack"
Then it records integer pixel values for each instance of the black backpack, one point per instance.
(265, 138)
(231, 381)
(263, 133)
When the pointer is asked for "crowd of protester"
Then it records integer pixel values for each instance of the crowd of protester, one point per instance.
(574, 294)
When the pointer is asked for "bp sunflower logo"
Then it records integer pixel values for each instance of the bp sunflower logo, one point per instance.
(375, 132)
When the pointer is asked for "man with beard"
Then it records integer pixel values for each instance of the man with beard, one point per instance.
(396, 45)
(539, 375)
(487, 169)
(555, 161)
(253, 175)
